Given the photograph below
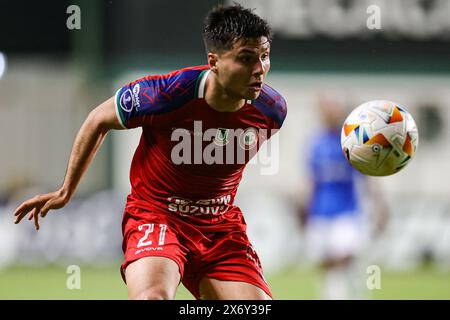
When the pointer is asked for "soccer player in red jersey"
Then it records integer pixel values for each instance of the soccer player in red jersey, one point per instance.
(200, 127)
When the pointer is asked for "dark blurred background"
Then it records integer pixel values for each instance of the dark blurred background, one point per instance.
(136, 33)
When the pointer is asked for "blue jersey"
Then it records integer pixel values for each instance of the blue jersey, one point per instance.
(334, 179)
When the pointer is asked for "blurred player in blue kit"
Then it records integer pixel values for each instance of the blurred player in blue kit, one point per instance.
(333, 211)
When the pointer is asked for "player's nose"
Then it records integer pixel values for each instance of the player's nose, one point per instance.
(259, 68)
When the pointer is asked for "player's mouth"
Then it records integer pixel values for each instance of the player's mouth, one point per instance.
(256, 86)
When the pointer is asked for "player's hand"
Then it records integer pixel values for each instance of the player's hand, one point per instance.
(40, 205)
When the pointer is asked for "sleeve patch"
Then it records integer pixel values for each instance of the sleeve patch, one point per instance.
(118, 107)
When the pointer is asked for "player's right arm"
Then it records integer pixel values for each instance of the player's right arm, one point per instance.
(88, 140)
(133, 106)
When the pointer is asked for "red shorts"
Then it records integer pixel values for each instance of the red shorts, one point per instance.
(221, 251)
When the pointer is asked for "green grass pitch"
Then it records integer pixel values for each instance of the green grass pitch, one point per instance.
(23, 282)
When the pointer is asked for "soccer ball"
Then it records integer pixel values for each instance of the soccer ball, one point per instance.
(379, 138)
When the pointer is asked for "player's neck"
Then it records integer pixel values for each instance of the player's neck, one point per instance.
(218, 99)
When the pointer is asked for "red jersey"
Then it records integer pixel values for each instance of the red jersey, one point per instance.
(191, 157)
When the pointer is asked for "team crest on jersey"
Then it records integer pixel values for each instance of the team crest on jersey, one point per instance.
(249, 138)
(221, 138)
(130, 99)
(126, 100)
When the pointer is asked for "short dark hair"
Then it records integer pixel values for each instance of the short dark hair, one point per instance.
(224, 25)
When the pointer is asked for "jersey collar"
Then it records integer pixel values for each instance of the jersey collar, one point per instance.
(201, 87)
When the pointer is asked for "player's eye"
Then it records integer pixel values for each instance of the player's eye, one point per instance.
(265, 56)
(245, 59)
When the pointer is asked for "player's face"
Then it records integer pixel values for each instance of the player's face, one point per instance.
(242, 70)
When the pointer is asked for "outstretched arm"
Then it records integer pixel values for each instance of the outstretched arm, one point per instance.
(89, 138)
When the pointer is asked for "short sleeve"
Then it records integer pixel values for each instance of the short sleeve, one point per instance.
(138, 101)
(273, 105)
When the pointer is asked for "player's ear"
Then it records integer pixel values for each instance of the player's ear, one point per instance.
(212, 61)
